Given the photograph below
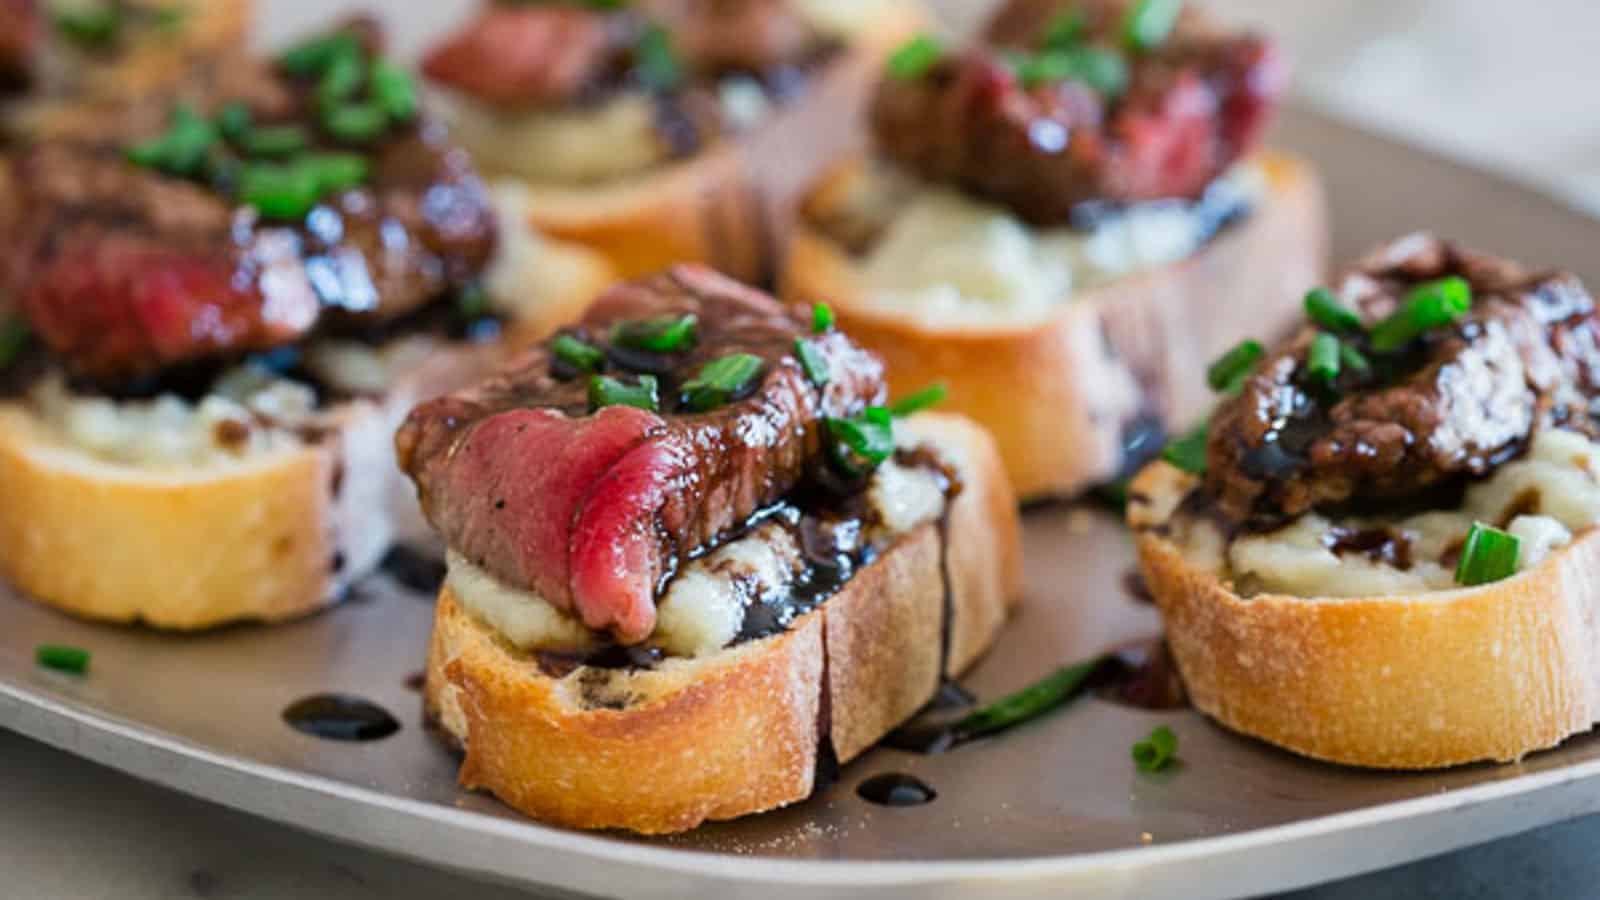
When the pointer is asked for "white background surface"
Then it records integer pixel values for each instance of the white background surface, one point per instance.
(1512, 86)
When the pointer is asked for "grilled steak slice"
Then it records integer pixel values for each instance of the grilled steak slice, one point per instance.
(532, 55)
(17, 40)
(1043, 142)
(1453, 405)
(125, 270)
(594, 511)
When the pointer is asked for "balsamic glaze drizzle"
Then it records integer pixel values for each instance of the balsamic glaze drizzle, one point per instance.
(340, 717)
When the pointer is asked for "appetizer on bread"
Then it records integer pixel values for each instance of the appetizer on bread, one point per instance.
(641, 134)
(217, 306)
(1063, 221)
(1383, 552)
(693, 555)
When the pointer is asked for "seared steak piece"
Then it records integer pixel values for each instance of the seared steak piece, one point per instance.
(1458, 401)
(125, 269)
(756, 36)
(18, 37)
(533, 55)
(1043, 131)
(594, 511)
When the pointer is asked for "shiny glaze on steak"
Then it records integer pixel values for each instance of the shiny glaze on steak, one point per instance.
(593, 512)
(1455, 404)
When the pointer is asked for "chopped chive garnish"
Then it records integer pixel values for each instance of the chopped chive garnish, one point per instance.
(1031, 702)
(1323, 308)
(472, 302)
(341, 78)
(14, 336)
(95, 27)
(355, 123)
(394, 90)
(669, 334)
(1065, 30)
(1233, 366)
(1322, 361)
(577, 354)
(867, 439)
(1099, 68)
(62, 658)
(315, 55)
(931, 395)
(1188, 452)
(335, 172)
(170, 17)
(275, 141)
(1352, 358)
(656, 59)
(279, 191)
(915, 57)
(821, 318)
(1149, 23)
(812, 362)
(1488, 555)
(607, 391)
(1427, 306)
(721, 381)
(1157, 751)
(235, 120)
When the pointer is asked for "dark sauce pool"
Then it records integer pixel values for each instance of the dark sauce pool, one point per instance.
(340, 717)
(896, 789)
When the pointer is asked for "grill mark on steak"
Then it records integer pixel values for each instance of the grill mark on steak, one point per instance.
(1456, 404)
(1193, 107)
(124, 271)
(599, 509)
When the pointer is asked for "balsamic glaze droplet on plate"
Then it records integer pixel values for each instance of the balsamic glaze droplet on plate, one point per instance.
(896, 789)
(340, 717)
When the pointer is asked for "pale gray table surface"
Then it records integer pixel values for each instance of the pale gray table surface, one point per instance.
(1507, 86)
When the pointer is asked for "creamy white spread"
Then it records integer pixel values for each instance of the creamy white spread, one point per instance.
(561, 145)
(703, 608)
(1550, 494)
(947, 258)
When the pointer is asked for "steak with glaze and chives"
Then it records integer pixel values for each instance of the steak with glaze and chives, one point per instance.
(594, 511)
(18, 39)
(1043, 123)
(1450, 406)
(124, 270)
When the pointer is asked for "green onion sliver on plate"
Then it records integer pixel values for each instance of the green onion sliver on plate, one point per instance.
(1031, 702)
(1157, 751)
(62, 658)
(1489, 555)
(1427, 306)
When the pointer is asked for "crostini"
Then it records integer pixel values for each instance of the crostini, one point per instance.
(642, 134)
(1383, 552)
(1063, 221)
(693, 555)
(215, 307)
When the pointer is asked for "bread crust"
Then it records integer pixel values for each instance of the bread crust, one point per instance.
(738, 732)
(724, 206)
(1059, 395)
(1400, 682)
(269, 538)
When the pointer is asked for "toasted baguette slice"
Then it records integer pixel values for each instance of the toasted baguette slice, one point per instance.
(1400, 682)
(1060, 395)
(267, 538)
(723, 206)
(738, 732)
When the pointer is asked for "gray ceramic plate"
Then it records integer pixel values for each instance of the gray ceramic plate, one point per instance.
(1052, 807)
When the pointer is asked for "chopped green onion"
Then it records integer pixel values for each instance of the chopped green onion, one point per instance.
(868, 437)
(355, 123)
(1031, 702)
(1352, 358)
(275, 141)
(394, 90)
(1323, 308)
(1322, 361)
(607, 391)
(182, 149)
(821, 318)
(812, 362)
(335, 172)
(1149, 23)
(235, 120)
(279, 191)
(577, 354)
(1157, 751)
(1188, 452)
(312, 57)
(1102, 70)
(721, 381)
(669, 334)
(62, 658)
(1488, 555)
(915, 57)
(1065, 30)
(1232, 367)
(1427, 306)
(931, 395)
(170, 17)
(472, 302)
(657, 60)
(93, 27)
(14, 336)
